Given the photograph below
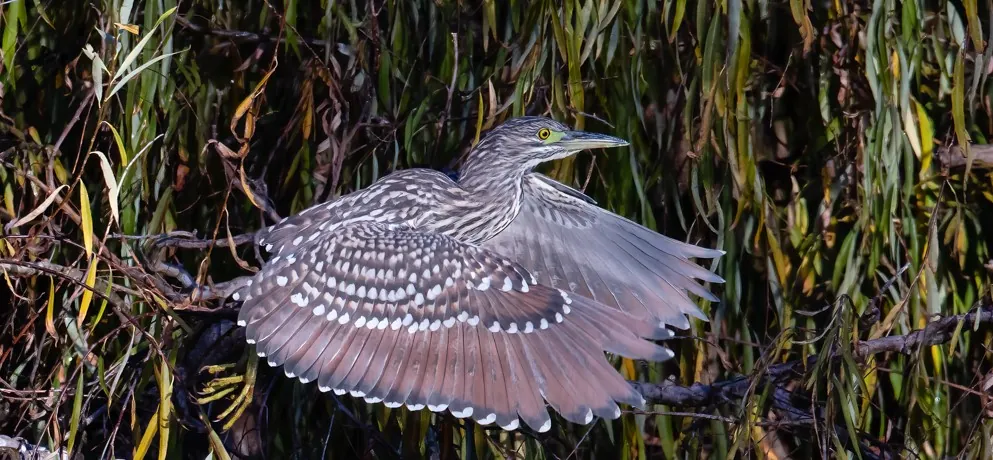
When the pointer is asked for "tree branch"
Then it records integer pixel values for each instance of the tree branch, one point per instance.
(240, 36)
(698, 395)
(189, 240)
(72, 275)
(954, 157)
(76, 277)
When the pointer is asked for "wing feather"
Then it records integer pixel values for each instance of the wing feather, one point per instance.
(528, 402)
(452, 385)
(497, 402)
(603, 256)
(394, 368)
(435, 373)
(366, 372)
(401, 316)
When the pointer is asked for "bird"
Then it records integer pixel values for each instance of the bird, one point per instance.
(490, 296)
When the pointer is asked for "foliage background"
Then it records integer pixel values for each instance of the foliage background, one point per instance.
(807, 138)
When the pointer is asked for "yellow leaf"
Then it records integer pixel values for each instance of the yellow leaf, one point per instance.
(216, 445)
(975, 28)
(224, 150)
(133, 29)
(146, 438)
(627, 367)
(250, 126)
(910, 128)
(60, 171)
(479, 120)
(87, 220)
(90, 281)
(165, 406)
(799, 10)
(119, 142)
(958, 113)
(248, 190)
(927, 137)
(895, 65)
(34, 135)
(8, 198)
(247, 102)
(37, 211)
(306, 125)
(50, 311)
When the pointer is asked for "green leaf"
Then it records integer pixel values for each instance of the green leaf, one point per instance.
(140, 46)
(958, 114)
(15, 17)
(134, 73)
(77, 410)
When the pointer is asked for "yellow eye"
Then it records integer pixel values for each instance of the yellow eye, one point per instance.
(543, 133)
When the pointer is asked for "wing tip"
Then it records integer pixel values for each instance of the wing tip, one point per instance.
(545, 426)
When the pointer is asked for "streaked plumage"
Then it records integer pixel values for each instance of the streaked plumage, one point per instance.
(486, 297)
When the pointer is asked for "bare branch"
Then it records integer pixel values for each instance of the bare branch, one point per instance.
(76, 277)
(189, 240)
(240, 36)
(73, 275)
(698, 395)
(954, 157)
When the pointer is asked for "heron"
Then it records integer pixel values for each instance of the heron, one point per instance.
(490, 296)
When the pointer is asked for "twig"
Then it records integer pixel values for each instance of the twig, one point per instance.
(699, 395)
(451, 89)
(75, 119)
(247, 37)
(953, 156)
(218, 291)
(260, 198)
(75, 276)
(189, 240)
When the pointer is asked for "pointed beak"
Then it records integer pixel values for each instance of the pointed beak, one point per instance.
(581, 140)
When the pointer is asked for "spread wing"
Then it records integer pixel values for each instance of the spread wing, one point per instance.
(567, 242)
(400, 316)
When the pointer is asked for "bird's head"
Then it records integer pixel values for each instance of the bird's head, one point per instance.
(535, 140)
(530, 141)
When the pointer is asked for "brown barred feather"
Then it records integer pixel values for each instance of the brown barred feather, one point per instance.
(377, 374)
(434, 372)
(524, 385)
(497, 404)
(393, 370)
(362, 377)
(453, 381)
(307, 362)
(558, 385)
(332, 357)
(347, 360)
(298, 326)
(300, 354)
(412, 374)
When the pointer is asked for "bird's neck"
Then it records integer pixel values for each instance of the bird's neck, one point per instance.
(491, 181)
(492, 172)
(494, 193)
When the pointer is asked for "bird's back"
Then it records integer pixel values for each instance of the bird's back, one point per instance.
(421, 199)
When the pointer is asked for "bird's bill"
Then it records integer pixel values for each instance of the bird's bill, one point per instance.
(581, 140)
